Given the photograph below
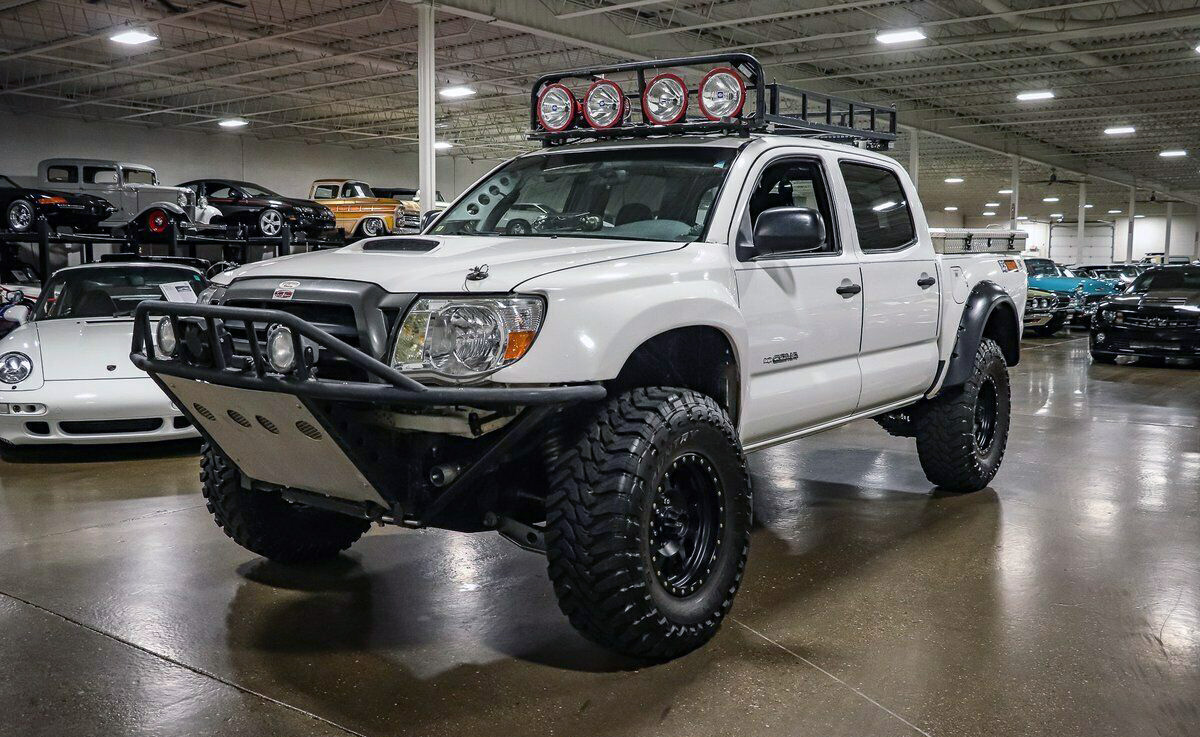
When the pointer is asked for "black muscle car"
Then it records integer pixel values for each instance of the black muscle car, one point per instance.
(1158, 317)
(261, 211)
(22, 206)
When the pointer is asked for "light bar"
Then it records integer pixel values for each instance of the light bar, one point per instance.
(604, 104)
(1119, 130)
(722, 94)
(556, 108)
(132, 37)
(665, 99)
(1035, 95)
(901, 36)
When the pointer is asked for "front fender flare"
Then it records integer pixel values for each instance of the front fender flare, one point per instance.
(985, 299)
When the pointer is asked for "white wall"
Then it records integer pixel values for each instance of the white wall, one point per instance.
(1149, 235)
(181, 155)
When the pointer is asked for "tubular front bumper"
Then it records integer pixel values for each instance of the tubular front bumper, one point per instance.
(300, 431)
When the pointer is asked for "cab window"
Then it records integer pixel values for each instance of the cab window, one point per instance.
(99, 175)
(793, 183)
(356, 189)
(63, 174)
(881, 211)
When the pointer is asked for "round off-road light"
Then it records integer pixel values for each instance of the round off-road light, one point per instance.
(281, 349)
(167, 342)
(556, 108)
(722, 94)
(604, 104)
(665, 99)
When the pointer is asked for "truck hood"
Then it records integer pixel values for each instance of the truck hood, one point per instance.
(442, 262)
(84, 349)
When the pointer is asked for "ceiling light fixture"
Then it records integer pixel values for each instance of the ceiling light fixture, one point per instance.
(1035, 95)
(1088, 207)
(1056, 215)
(1004, 191)
(1114, 212)
(1119, 130)
(988, 213)
(991, 204)
(1138, 217)
(1172, 153)
(954, 180)
(133, 37)
(1049, 199)
(442, 145)
(233, 123)
(950, 208)
(456, 92)
(1022, 217)
(901, 36)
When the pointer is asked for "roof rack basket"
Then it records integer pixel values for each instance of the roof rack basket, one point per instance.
(769, 107)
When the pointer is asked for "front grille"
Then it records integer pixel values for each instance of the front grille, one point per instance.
(1063, 301)
(109, 427)
(1147, 321)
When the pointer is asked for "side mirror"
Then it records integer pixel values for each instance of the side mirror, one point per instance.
(788, 230)
(428, 216)
(18, 314)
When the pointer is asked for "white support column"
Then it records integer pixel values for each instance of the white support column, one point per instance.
(1132, 212)
(1196, 236)
(914, 157)
(426, 162)
(1167, 237)
(1081, 217)
(1015, 197)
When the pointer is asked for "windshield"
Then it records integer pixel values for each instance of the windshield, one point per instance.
(1042, 267)
(139, 176)
(253, 190)
(1185, 279)
(356, 189)
(108, 291)
(652, 194)
(5, 181)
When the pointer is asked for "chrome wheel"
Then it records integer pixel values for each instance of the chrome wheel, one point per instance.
(270, 222)
(20, 216)
(685, 525)
(372, 227)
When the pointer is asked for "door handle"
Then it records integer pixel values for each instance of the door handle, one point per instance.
(849, 290)
(926, 282)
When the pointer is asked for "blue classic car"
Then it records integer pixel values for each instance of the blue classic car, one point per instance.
(1080, 294)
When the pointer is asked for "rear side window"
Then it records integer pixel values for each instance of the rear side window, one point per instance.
(99, 175)
(881, 210)
(67, 174)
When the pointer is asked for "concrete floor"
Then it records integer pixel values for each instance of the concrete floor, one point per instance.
(1065, 600)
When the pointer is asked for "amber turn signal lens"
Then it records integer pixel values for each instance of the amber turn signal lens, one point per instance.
(519, 342)
(50, 200)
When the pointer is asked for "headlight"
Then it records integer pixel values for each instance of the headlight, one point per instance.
(15, 368)
(182, 199)
(467, 337)
(211, 294)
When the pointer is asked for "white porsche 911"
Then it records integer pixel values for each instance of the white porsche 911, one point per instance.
(65, 374)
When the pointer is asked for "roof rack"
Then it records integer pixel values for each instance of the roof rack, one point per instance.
(769, 108)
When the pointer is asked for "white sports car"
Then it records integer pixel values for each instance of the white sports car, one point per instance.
(65, 374)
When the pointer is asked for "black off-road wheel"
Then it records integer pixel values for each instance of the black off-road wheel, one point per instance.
(961, 434)
(648, 523)
(263, 523)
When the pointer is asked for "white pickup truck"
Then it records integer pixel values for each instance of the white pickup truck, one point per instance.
(590, 388)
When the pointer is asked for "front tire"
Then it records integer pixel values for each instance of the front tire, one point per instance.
(263, 523)
(961, 434)
(20, 216)
(270, 222)
(372, 227)
(648, 523)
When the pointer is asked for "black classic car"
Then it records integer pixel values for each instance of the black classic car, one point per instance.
(261, 211)
(1157, 317)
(22, 206)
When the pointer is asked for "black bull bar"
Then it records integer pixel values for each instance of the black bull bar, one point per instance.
(252, 372)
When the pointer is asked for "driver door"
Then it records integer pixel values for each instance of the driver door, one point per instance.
(802, 310)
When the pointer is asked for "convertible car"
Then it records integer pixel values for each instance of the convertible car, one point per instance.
(65, 373)
(1158, 317)
(22, 206)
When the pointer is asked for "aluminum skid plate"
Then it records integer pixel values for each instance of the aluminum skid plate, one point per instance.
(272, 437)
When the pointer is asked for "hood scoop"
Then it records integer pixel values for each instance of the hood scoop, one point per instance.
(401, 245)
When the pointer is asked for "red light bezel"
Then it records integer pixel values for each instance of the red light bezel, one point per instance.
(620, 113)
(570, 118)
(682, 112)
(700, 92)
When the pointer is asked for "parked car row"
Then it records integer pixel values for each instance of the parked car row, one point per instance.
(124, 199)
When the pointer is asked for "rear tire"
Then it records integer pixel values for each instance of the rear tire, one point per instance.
(263, 523)
(648, 523)
(961, 435)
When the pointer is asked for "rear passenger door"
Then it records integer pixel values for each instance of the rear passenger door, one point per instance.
(802, 312)
(901, 286)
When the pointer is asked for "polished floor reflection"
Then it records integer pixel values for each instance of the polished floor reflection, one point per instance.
(1064, 600)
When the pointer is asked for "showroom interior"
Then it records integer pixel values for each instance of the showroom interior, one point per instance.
(158, 156)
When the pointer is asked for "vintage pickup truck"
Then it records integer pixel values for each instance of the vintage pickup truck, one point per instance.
(590, 389)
